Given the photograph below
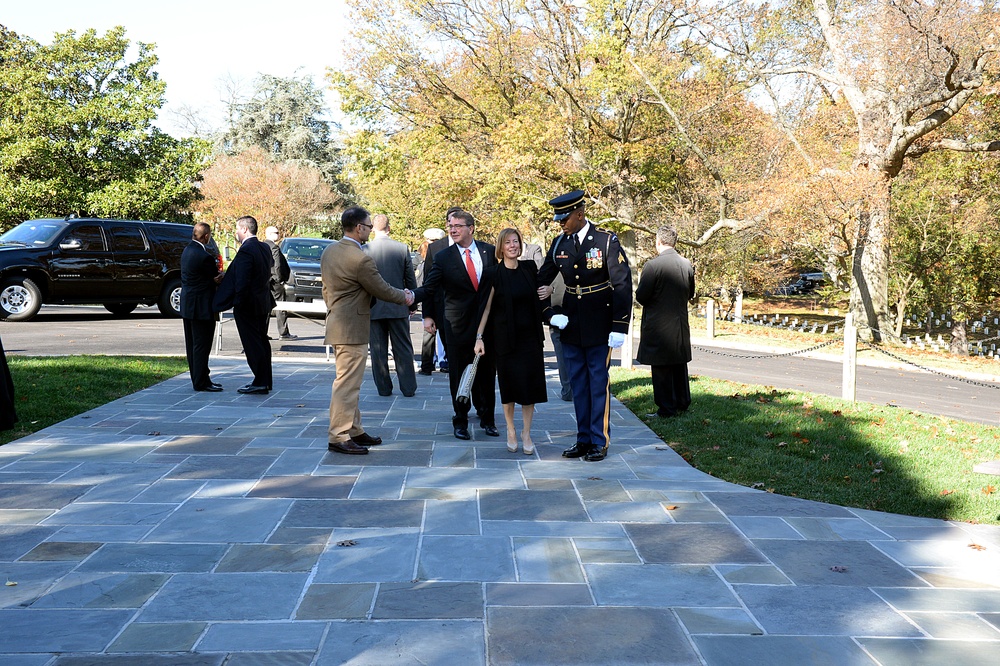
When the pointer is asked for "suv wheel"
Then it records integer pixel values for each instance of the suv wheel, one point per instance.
(170, 300)
(120, 309)
(20, 299)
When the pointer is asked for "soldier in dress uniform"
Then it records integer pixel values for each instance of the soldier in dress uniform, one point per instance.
(597, 306)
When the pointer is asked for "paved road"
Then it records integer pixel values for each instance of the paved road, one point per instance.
(93, 330)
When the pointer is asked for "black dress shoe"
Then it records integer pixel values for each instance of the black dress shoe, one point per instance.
(211, 388)
(218, 386)
(578, 450)
(250, 389)
(596, 454)
(288, 336)
(426, 373)
(348, 447)
(364, 439)
(491, 430)
(462, 433)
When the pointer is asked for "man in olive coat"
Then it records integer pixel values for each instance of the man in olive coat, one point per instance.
(665, 287)
(351, 284)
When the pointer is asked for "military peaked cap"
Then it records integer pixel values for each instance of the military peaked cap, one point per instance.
(564, 205)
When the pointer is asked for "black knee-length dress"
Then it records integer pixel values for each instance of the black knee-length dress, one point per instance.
(514, 329)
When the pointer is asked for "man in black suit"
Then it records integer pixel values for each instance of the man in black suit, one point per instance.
(434, 308)
(455, 273)
(246, 288)
(280, 273)
(665, 287)
(199, 277)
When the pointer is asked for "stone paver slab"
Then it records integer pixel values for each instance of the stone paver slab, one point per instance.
(39, 495)
(378, 556)
(658, 586)
(692, 543)
(547, 560)
(405, 642)
(942, 600)
(355, 513)
(466, 558)
(791, 650)
(304, 487)
(955, 626)
(760, 503)
(99, 590)
(270, 557)
(892, 652)
(262, 636)
(18, 540)
(155, 557)
(540, 505)
(28, 630)
(220, 597)
(448, 517)
(537, 594)
(524, 636)
(812, 610)
(427, 601)
(160, 637)
(346, 601)
(222, 520)
(717, 621)
(222, 467)
(814, 563)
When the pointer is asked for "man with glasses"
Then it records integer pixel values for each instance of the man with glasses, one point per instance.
(455, 273)
(596, 309)
(351, 283)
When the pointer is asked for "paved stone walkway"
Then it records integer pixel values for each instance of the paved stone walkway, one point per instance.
(179, 528)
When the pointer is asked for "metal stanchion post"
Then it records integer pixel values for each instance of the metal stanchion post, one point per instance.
(849, 391)
(710, 318)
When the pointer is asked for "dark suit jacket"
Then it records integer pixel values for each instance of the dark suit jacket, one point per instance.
(461, 301)
(395, 266)
(247, 285)
(198, 271)
(433, 308)
(665, 287)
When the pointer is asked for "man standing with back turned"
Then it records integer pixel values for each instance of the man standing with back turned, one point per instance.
(351, 284)
(389, 320)
(665, 287)
(280, 273)
(246, 289)
(199, 276)
(597, 306)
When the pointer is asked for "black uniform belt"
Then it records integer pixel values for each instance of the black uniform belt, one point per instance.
(580, 291)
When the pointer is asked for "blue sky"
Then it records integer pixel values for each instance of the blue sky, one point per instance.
(200, 44)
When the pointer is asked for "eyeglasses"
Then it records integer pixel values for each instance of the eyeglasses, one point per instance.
(362, 224)
(457, 226)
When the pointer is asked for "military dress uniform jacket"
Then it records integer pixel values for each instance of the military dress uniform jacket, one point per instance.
(598, 298)
(665, 287)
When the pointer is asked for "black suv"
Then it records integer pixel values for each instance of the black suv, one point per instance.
(305, 282)
(119, 263)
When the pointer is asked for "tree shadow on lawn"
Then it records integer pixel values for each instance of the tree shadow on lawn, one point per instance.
(799, 444)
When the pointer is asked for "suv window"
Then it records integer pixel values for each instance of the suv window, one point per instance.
(90, 236)
(128, 239)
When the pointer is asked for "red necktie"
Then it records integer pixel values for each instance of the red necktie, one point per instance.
(469, 266)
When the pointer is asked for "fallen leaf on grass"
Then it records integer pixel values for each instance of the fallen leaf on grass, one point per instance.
(826, 457)
(837, 412)
(976, 546)
(946, 492)
(757, 485)
(838, 569)
(781, 445)
(989, 490)
(769, 434)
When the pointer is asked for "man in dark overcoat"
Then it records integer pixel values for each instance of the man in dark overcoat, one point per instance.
(665, 287)
(598, 306)
(199, 277)
(246, 288)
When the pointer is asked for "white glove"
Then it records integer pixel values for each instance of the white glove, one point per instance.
(616, 340)
(559, 321)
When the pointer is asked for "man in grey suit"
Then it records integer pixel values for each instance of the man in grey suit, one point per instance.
(665, 287)
(390, 321)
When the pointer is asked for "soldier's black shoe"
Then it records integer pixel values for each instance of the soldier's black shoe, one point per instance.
(578, 450)
(596, 454)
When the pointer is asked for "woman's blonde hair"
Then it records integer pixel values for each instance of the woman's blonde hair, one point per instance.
(502, 238)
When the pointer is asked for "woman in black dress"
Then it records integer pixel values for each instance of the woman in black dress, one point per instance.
(511, 321)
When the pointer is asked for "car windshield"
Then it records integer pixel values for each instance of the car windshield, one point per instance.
(36, 233)
(305, 250)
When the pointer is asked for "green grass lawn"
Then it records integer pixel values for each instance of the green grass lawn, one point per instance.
(48, 390)
(826, 449)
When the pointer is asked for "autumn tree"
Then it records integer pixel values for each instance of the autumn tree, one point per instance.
(901, 68)
(287, 195)
(77, 133)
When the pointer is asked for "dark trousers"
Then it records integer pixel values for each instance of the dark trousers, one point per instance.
(588, 374)
(565, 387)
(671, 388)
(198, 334)
(252, 328)
(396, 331)
(281, 317)
(428, 350)
(484, 396)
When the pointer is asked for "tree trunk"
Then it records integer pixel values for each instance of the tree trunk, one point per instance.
(870, 269)
(959, 339)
